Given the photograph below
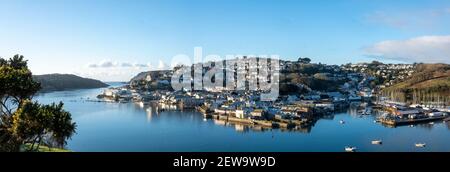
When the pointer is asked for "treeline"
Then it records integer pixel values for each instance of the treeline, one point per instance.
(435, 96)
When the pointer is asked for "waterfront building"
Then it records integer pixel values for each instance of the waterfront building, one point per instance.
(242, 114)
(257, 113)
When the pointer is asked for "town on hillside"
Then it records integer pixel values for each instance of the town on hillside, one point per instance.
(308, 92)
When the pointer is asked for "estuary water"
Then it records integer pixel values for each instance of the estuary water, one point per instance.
(128, 127)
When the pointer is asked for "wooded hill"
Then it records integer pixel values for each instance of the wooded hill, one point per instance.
(429, 82)
(59, 82)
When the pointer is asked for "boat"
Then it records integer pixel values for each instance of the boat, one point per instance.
(377, 142)
(141, 104)
(366, 111)
(350, 149)
(420, 145)
(361, 112)
(342, 121)
(447, 119)
(123, 101)
(354, 98)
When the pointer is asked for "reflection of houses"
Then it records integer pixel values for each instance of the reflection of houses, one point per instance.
(220, 122)
(240, 128)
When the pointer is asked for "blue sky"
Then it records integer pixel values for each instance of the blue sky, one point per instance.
(112, 40)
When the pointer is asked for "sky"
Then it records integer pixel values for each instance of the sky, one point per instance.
(113, 40)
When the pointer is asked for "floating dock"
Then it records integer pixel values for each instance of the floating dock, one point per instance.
(398, 122)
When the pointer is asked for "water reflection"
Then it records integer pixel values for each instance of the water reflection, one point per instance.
(106, 126)
(149, 111)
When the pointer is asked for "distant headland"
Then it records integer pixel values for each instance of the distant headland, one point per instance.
(61, 82)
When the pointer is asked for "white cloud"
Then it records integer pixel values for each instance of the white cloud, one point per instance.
(427, 49)
(102, 64)
(107, 70)
(161, 65)
(139, 65)
(149, 65)
(112, 64)
(125, 64)
(92, 65)
(106, 64)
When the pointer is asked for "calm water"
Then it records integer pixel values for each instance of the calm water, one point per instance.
(128, 127)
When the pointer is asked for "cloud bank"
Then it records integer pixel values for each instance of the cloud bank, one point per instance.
(427, 49)
(111, 64)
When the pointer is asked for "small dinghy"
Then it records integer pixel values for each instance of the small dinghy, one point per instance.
(420, 145)
(350, 149)
(377, 142)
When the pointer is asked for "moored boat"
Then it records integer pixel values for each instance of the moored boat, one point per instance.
(377, 142)
(350, 149)
(420, 145)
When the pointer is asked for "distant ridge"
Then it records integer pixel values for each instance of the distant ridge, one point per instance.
(60, 82)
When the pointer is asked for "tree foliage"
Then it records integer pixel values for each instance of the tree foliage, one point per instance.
(32, 123)
(16, 83)
(305, 60)
(23, 121)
